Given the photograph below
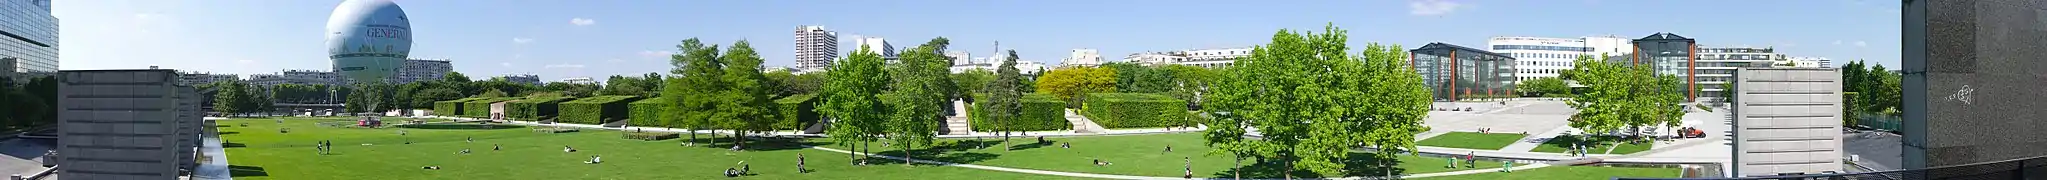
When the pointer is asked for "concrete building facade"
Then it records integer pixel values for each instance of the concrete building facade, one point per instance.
(300, 77)
(28, 33)
(522, 78)
(126, 124)
(816, 48)
(1787, 121)
(1455, 73)
(198, 78)
(1541, 57)
(1207, 58)
(416, 70)
(876, 45)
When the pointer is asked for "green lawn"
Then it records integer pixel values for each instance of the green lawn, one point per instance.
(1472, 140)
(1141, 155)
(1569, 172)
(1561, 143)
(259, 151)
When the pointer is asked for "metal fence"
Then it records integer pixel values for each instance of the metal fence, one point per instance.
(2028, 169)
(1879, 122)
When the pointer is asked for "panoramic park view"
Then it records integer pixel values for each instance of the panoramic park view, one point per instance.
(1304, 105)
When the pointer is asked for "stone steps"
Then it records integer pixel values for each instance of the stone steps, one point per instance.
(955, 125)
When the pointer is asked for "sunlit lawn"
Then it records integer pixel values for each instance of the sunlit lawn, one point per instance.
(1562, 143)
(1472, 140)
(1570, 172)
(1144, 155)
(259, 151)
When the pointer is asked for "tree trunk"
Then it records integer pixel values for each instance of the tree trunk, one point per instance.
(1289, 172)
(1239, 172)
(739, 139)
(1005, 141)
(692, 137)
(906, 153)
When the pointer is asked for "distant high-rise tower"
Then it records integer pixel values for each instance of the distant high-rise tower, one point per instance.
(876, 45)
(815, 48)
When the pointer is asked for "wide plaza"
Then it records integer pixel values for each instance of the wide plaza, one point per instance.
(286, 148)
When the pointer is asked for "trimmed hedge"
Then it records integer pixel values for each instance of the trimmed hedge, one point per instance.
(594, 110)
(651, 136)
(796, 111)
(450, 108)
(1041, 112)
(480, 108)
(533, 108)
(1135, 110)
(646, 112)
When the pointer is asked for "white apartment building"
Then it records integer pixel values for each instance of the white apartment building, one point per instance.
(300, 77)
(1082, 57)
(876, 45)
(198, 78)
(1207, 58)
(816, 48)
(1805, 62)
(959, 57)
(580, 80)
(416, 70)
(989, 64)
(1539, 57)
(1716, 67)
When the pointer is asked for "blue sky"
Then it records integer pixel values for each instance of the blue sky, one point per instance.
(560, 39)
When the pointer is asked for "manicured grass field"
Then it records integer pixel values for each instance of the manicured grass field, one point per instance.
(259, 151)
(1562, 143)
(1472, 140)
(1144, 155)
(1569, 172)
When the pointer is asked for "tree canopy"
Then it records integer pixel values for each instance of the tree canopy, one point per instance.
(1312, 102)
(1070, 83)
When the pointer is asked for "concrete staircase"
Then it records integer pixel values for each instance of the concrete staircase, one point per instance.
(955, 125)
(1081, 124)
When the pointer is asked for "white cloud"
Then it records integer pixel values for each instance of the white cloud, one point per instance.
(1861, 44)
(1431, 7)
(582, 21)
(520, 40)
(656, 54)
(570, 66)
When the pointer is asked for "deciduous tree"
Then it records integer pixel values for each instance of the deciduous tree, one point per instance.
(1071, 83)
(851, 99)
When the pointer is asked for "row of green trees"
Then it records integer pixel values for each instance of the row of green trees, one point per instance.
(1313, 101)
(1878, 90)
(28, 104)
(869, 99)
(1072, 84)
(1622, 96)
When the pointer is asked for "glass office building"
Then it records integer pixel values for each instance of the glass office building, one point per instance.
(28, 34)
(1455, 73)
(1670, 54)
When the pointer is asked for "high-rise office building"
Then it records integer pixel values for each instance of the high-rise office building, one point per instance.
(1541, 57)
(816, 48)
(1455, 72)
(416, 70)
(28, 33)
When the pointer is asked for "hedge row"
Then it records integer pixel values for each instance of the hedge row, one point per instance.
(1041, 112)
(646, 112)
(651, 136)
(480, 108)
(450, 107)
(594, 110)
(796, 111)
(533, 108)
(1135, 110)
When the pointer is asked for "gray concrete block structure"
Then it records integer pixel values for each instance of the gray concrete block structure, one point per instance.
(125, 124)
(1787, 121)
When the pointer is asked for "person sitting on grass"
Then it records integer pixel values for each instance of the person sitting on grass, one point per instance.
(568, 149)
(1067, 145)
(731, 172)
(495, 147)
(470, 139)
(1169, 148)
(594, 159)
(465, 151)
(1041, 139)
(431, 167)
(1099, 163)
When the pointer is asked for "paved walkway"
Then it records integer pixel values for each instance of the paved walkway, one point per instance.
(213, 159)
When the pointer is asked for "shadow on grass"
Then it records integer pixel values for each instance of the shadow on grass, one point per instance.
(458, 126)
(229, 132)
(1034, 145)
(752, 143)
(1358, 165)
(232, 145)
(953, 151)
(246, 171)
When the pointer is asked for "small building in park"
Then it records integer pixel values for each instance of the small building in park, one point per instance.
(1455, 73)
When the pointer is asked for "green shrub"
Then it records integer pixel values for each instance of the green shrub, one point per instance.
(450, 108)
(594, 110)
(647, 112)
(1135, 110)
(534, 108)
(1041, 112)
(480, 108)
(796, 111)
(651, 136)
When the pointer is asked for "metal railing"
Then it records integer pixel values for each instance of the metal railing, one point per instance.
(2025, 168)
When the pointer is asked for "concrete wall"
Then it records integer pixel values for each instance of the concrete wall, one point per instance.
(123, 124)
(1787, 120)
(1972, 85)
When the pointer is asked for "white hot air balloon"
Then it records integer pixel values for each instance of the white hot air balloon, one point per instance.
(368, 39)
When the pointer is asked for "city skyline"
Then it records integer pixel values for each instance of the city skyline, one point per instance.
(598, 39)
